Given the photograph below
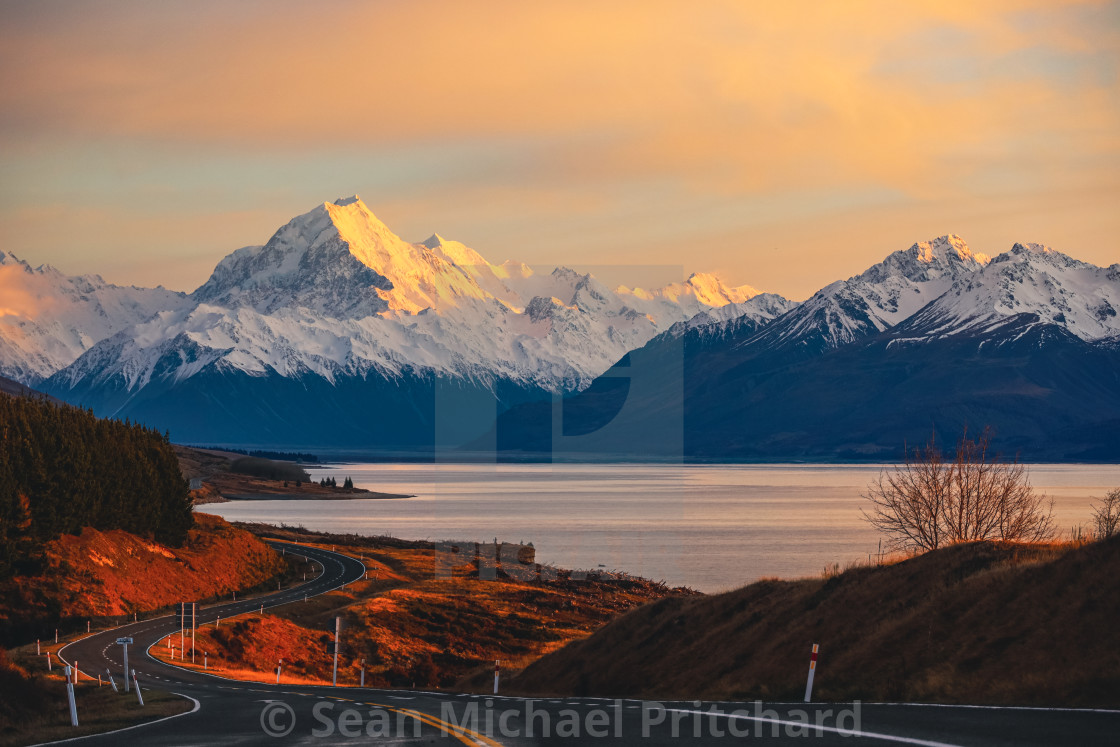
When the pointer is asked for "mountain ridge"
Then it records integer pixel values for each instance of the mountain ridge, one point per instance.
(830, 379)
(336, 309)
(335, 300)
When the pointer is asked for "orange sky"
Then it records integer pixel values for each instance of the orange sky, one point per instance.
(782, 144)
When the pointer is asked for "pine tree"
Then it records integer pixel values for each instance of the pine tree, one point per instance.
(63, 469)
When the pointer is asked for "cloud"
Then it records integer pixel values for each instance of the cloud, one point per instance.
(21, 296)
(724, 95)
(553, 129)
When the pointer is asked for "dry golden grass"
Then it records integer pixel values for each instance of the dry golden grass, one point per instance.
(33, 707)
(106, 576)
(410, 628)
(978, 623)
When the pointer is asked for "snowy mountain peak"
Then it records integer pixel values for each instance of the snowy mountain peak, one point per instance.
(710, 290)
(1034, 280)
(1030, 247)
(946, 248)
(48, 319)
(700, 287)
(1038, 255)
(875, 300)
(944, 258)
(336, 294)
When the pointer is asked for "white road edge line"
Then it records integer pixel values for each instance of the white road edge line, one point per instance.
(820, 728)
(1057, 709)
(197, 705)
(204, 673)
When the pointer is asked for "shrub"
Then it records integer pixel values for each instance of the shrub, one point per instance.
(930, 502)
(1106, 516)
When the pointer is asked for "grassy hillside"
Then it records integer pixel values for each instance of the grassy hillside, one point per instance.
(33, 707)
(98, 574)
(976, 623)
(62, 470)
(411, 628)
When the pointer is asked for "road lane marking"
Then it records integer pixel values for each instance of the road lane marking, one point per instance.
(463, 734)
(197, 705)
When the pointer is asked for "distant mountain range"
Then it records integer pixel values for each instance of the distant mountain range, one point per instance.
(339, 335)
(930, 341)
(48, 319)
(338, 332)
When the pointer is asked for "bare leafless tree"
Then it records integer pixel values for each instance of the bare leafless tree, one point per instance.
(1106, 516)
(929, 502)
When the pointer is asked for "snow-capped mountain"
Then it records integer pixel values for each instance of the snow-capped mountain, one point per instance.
(932, 339)
(48, 319)
(757, 311)
(336, 293)
(875, 300)
(338, 333)
(1032, 285)
(335, 297)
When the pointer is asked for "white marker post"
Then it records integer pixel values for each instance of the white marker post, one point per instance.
(337, 630)
(112, 681)
(497, 673)
(204, 663)
(279, 666)
(812, 673)
(182, 629)
(137, 683)
(362, 681)
(75, 671)
(70, 697)
(48, 661)
(37, 651)
(124, 643)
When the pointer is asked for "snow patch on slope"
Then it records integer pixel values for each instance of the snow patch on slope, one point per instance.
(1029, 279)
(48, 319)
(336, 293)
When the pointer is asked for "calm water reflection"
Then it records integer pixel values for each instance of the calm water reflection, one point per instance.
(709, 527)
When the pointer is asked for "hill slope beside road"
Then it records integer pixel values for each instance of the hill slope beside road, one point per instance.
(108, 573)
(979, 623)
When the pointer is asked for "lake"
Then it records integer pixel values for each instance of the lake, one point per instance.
(711, 527)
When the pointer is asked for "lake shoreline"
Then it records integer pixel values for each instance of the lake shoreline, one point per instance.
(303, 496)
(710, 528)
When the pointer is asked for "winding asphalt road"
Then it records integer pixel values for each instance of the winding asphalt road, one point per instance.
(229, 712)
